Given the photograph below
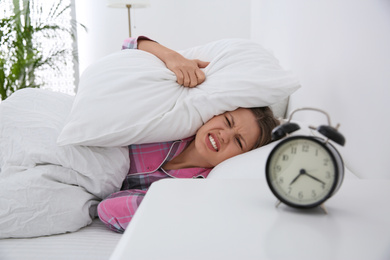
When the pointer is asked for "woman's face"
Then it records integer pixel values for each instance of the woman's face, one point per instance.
(227, 135)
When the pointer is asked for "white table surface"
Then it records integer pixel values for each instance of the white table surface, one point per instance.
(237, 219)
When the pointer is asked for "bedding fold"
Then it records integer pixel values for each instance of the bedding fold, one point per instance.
(48, 189)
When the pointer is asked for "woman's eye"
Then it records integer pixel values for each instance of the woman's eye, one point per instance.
(228, 122)
(239, 142)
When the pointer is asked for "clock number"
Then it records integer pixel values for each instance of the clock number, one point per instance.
(313, 193)
(278, 168)
(289, 190)
(293, 150)
(305, 148)
(326, 161)
(300, 195)
(285, 157)
(281, 180)
(327, 175)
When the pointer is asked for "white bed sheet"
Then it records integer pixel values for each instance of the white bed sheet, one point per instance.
(92, 242)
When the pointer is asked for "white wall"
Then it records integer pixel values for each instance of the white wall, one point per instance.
(340, 51)
(178, 24)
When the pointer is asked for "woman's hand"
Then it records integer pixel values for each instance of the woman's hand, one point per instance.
(188, 72)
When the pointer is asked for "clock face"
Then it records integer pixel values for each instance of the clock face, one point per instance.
(301, 171)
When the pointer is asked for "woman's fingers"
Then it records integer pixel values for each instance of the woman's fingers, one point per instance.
(202, 64)
(179, 76)
(193, 79)
(201, 77)
(188, 72)
(196, 76)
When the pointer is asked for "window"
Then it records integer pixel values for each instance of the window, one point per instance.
(42, 11)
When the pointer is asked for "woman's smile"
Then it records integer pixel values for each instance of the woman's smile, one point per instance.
(212, 142)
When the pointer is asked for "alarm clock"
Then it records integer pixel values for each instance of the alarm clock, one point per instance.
(303, 171)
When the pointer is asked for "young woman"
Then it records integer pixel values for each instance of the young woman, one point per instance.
(222, 137)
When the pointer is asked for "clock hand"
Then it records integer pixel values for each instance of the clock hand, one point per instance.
(302, 171)
(314, 178)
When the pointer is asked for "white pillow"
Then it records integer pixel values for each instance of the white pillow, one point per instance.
(131, 97)
(251, 165)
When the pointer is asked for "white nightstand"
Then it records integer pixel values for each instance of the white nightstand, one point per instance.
(237, 219)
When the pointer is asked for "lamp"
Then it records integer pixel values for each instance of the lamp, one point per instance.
(128, 4)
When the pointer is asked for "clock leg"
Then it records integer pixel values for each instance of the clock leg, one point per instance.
(277, 203)
(322, 206)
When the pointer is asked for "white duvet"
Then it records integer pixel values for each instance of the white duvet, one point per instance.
(48, 189)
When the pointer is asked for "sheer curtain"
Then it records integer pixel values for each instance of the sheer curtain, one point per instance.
(65, 78)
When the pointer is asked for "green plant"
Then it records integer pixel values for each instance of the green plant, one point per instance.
(21, 50)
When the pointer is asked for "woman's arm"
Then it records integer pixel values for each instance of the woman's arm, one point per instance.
(188, 72)
(118, 209)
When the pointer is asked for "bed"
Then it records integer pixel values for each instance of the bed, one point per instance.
(91, 242)
(287, 28)
(61, 155)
